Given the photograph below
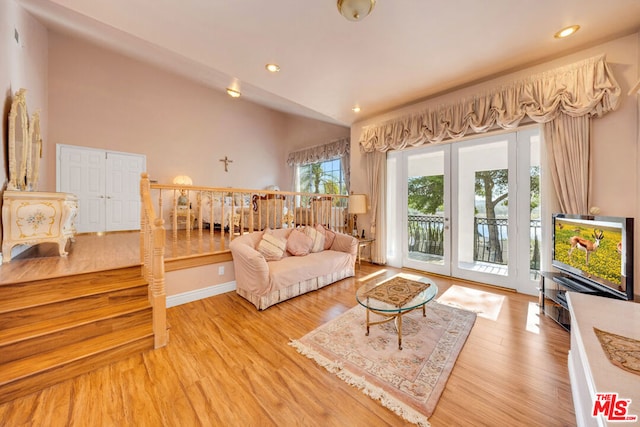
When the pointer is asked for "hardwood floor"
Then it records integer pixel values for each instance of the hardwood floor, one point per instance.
(228, 364)
(89, 253)
(97, 252)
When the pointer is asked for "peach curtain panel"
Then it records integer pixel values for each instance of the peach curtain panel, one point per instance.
(376, 170)
(567, 140)
(563, 99)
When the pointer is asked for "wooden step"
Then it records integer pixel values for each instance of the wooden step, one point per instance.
(50, 312)
(27, 375)
(46, 335)
(17, 296)
(55, 329)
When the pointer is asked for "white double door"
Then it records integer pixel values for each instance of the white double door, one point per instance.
(107, 184)
(442, 222)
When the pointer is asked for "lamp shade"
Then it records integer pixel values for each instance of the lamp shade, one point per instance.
(355, 10)
(182, 180)
(357, 204)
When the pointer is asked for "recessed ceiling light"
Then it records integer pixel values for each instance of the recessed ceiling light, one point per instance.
(233, 93)
(274, 68)
(566, 32)
(356, 109)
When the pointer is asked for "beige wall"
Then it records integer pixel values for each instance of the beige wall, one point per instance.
(23, 64)
(615, 137)
(93, 97)
(102, 99)
(302, 132)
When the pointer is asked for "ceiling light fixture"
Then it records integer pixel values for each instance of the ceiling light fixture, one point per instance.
(356, 109)
(233, 93)
(566, 32)
(273, 68)
(355, 10)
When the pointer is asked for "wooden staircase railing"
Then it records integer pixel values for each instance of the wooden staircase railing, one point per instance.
(203, 220)
(152, 241)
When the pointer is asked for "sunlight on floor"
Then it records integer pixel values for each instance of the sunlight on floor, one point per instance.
(533, 318)
(372, 275)
(485, 304)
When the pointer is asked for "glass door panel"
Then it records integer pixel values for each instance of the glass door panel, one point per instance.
(457, 208)
(529, 212)
(427, 217)
(482, 209)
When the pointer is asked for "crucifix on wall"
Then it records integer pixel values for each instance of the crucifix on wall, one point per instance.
(226, 163)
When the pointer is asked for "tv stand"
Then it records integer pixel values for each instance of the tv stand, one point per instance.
(552, 296)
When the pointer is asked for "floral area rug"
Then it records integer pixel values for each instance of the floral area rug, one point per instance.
(408, 381)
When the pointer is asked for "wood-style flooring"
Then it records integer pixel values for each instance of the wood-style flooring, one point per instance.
(228, 364)
(89, 253)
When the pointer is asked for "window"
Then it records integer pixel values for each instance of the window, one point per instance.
(322, 177)
(322, 169)
(325, 177)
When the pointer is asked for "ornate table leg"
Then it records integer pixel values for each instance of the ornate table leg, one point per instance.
(367, 334)
(399, 325)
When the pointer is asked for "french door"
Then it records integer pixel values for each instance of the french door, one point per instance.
(107, 185)
(470, 209)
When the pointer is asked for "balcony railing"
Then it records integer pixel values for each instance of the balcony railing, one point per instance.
(426, 235)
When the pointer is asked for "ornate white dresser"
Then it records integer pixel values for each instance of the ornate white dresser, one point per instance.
(32, 217)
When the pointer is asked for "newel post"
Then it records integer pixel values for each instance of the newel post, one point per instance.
(157, 287)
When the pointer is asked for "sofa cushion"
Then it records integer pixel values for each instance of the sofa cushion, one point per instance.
(271, 247)
(317, 237)
(298, 243)
(329, 236)
(289, 271)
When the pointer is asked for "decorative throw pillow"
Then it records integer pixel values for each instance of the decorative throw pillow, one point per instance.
(318, 239)
(271, 247)
(329, 235)
(298, 243)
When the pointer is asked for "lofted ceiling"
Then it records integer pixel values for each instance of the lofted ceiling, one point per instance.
(405, 51)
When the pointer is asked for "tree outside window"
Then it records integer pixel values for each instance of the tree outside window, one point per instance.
(322, 178)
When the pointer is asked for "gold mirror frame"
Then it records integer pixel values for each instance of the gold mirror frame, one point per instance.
(35, 152)
(19, 144)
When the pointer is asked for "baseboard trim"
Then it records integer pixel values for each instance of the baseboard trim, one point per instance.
(198, 294)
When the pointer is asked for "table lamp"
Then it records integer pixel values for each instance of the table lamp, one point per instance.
(357, 205)
(183, 180)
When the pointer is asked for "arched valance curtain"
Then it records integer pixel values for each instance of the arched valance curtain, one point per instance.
(333, 150)
(583, 88)
(563, 99)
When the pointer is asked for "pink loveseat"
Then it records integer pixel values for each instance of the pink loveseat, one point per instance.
(265, 283)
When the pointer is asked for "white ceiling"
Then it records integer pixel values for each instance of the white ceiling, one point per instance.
(406, 50)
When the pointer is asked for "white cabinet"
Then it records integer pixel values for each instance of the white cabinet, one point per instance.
(590, 370)
(32, 217)
(107, 184)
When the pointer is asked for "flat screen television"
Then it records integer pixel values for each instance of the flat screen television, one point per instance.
(595, 250)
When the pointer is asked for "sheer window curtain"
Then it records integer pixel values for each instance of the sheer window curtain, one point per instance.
(564, 100)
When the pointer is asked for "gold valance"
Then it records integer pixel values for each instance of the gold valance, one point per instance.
(583, 88)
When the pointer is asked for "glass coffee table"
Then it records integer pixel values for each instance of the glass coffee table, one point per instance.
(395, 297)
